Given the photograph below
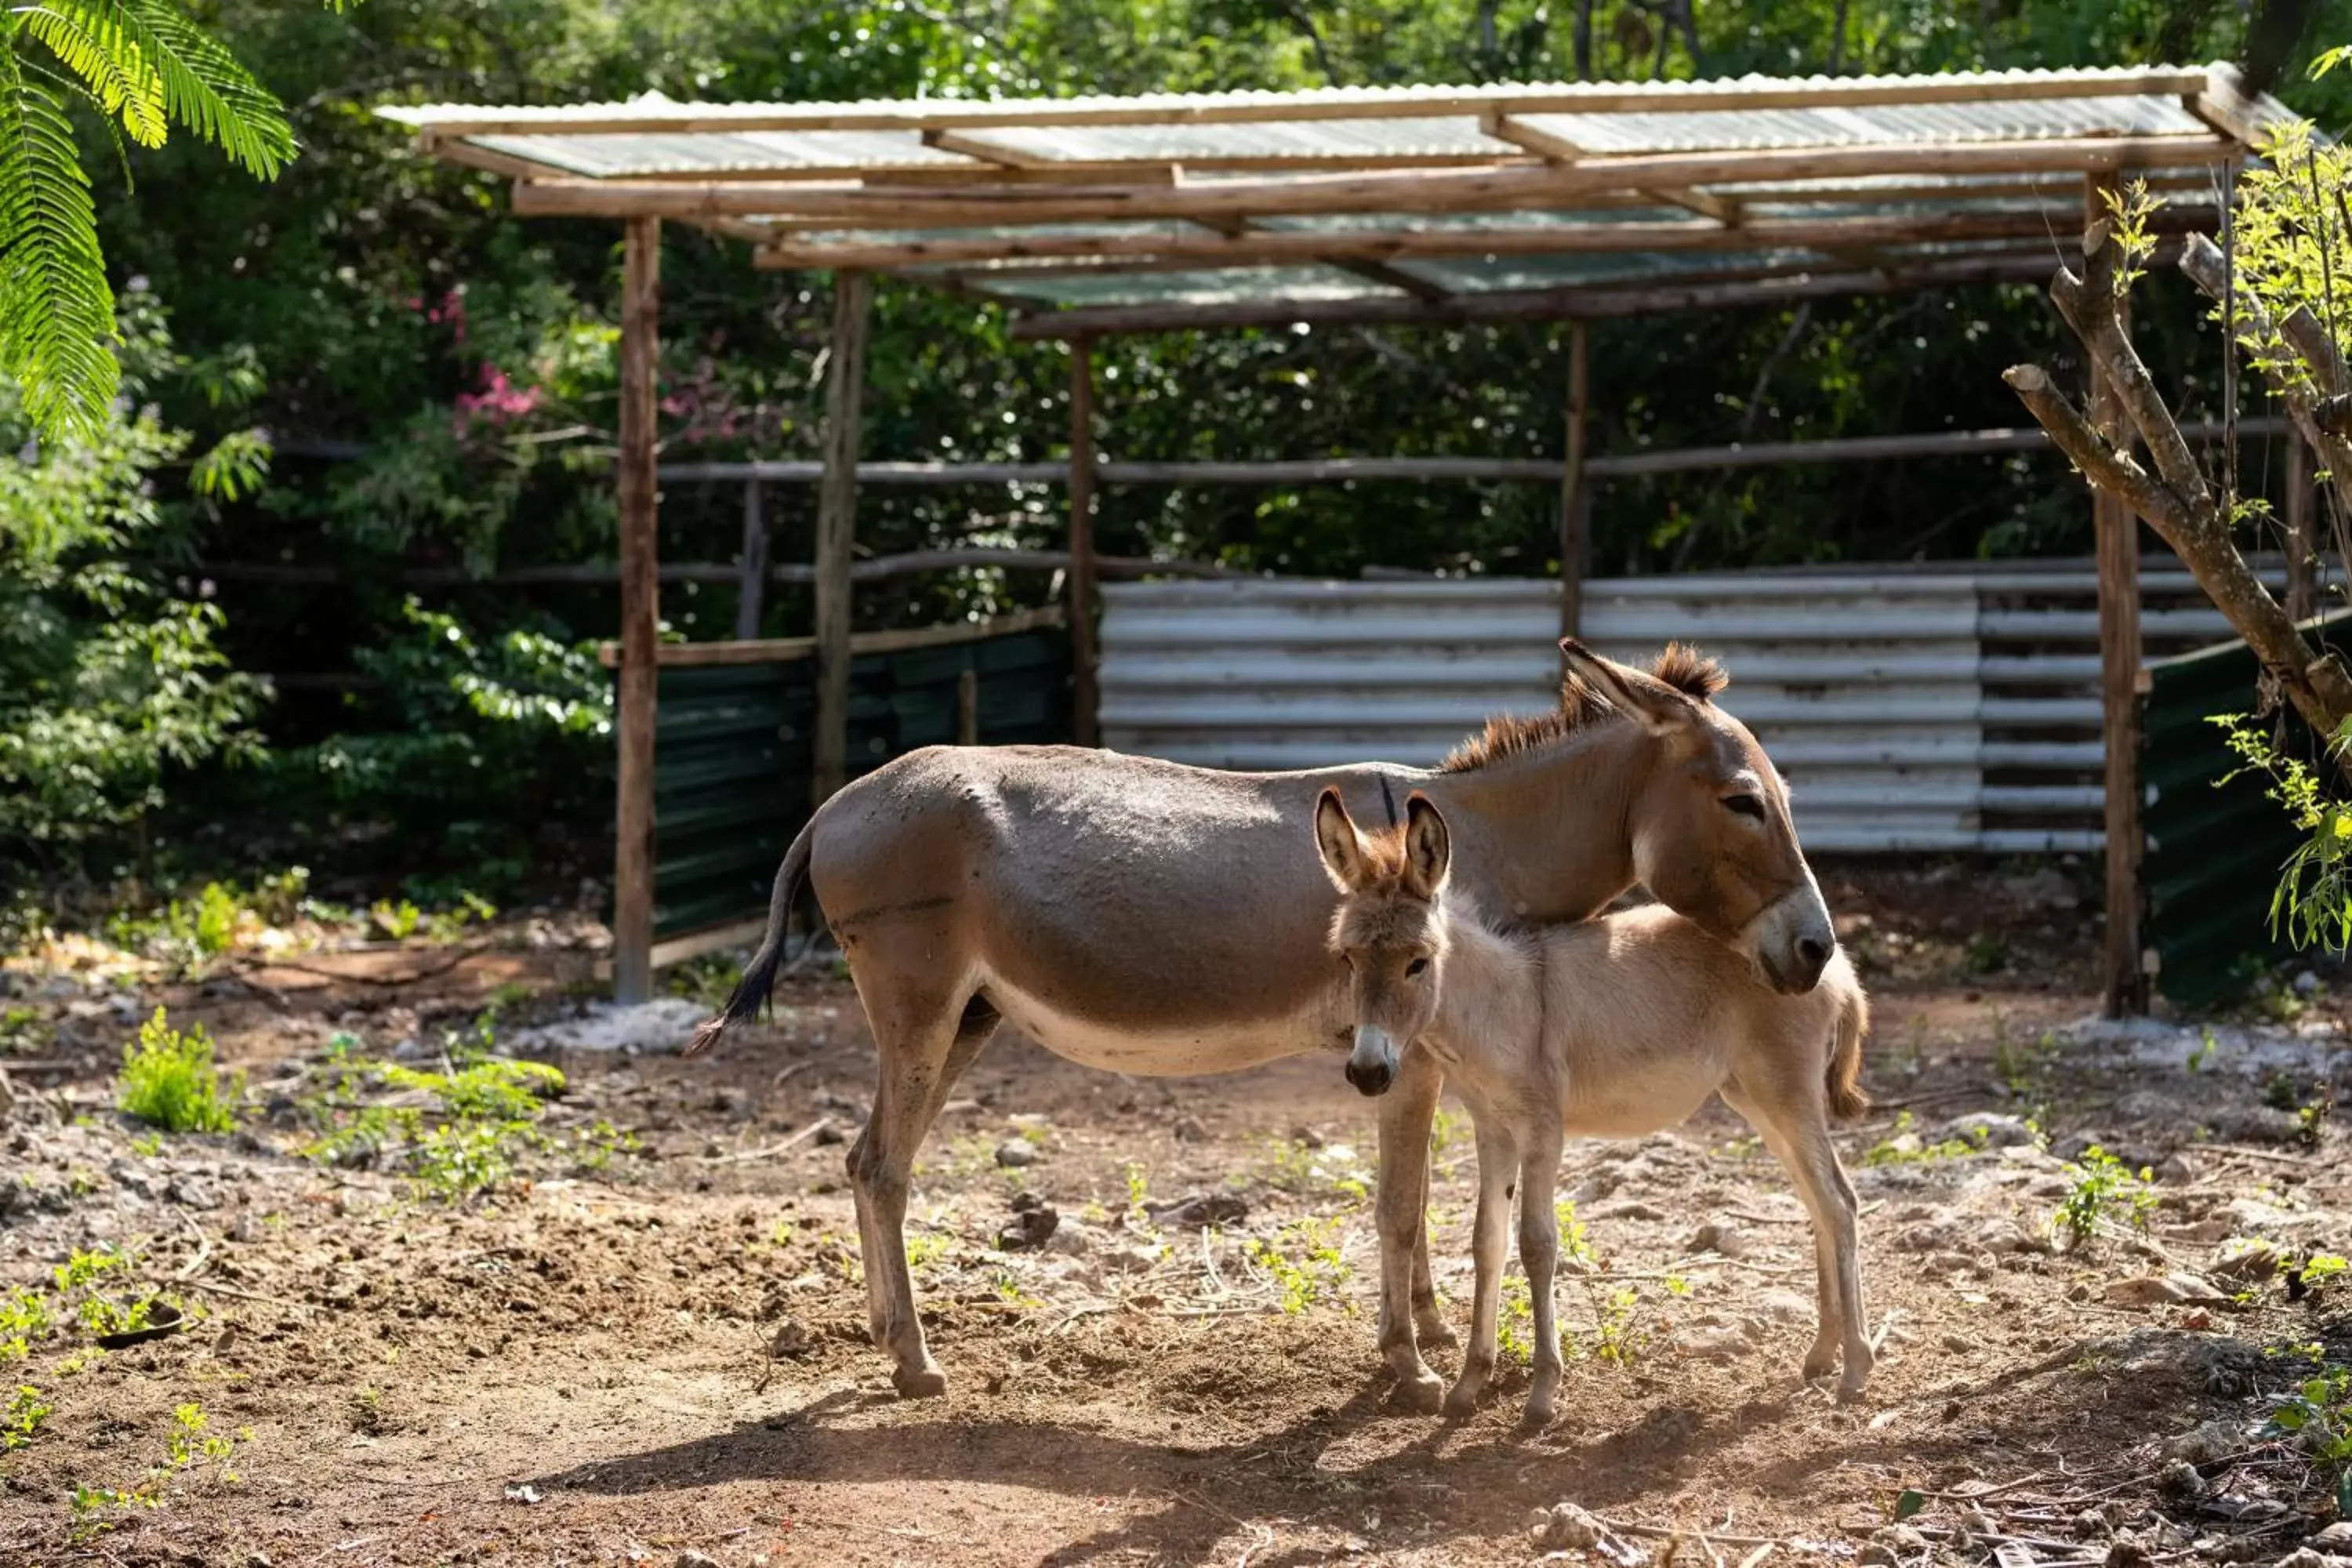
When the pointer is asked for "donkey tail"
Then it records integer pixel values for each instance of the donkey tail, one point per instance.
(1844, 1076)
(760, 975)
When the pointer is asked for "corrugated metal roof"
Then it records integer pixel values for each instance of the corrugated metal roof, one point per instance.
(1217, 199)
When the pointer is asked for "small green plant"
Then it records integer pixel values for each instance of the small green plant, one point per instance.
(1445, 1128)
(2322, 1266)
(169, 1081)
(147, 1145)
(24, 1318)
(399, 922)
(1985, 954)
(1138, 1190)
(81, 1360)
(707, 980)
(190, 1441)
(925, 1250)
(1294, 1166)
(2318, 1414)
(1304, 1262)
(1574, 1245)
(1619, 1339)
(1515, 1321)
(2097, 1185)
(2207, 1049)
(22, 1417)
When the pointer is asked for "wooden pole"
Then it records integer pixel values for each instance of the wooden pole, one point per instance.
(1082, 541)
(968, 707)
(632, 857)
(1575, 497)
(752, 582)
(2118, 531)
(2302, 552)
(836, 528)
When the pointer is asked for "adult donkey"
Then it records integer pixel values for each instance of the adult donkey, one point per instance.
(1150, 918)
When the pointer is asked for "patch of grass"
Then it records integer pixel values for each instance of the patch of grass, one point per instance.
(707, 980)
(399, 922)
(926, 1251)
(22, 1417)
(169, 1081)
(1304, 1262)
(2100, 1186)
(1619, 1339)
(479, 1125)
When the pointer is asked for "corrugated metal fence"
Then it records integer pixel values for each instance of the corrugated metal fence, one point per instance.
(1933, 708)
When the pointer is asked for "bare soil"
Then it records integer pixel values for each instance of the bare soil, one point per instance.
(668, 1355)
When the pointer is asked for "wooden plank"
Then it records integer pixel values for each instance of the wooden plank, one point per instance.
(751, 576)
(1725, 210)
(1363, 104)
(791, 650)
(2223, 102)
(2302, 549)
(709, 938)
(1484, 189)
(633, 719)
(1259, 247)
(968, 707)
(1083, 700)
(1575, 541)
(836, 528)
(1524, 305)
(2118, 531)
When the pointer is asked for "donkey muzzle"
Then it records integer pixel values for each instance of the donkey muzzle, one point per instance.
(1793, 941)
(1372, 1064)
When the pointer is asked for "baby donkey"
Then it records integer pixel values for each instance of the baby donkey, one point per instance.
(1617, 1027)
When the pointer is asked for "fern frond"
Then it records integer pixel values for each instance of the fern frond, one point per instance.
(92, 44)
(57, 313)
(203, 86)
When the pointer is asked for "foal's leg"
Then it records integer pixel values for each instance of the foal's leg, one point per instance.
(1539, 1256)
(1498, 1169)
(924, 1039)
(1399, 1213)
(1799, 1136)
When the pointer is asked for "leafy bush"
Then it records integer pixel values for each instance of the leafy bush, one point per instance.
(109, 682)
(168, 1080)
(487, 742)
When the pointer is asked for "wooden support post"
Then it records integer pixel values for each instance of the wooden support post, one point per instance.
(2302, 550)
(2118, 532)
(836, 528)
(632, 857)
(751, 586)
(1575, 491)
(1082, 541)
(968, 707)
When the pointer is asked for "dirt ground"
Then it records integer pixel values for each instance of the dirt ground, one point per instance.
(665, 1355)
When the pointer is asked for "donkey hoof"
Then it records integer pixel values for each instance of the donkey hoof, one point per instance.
(1433, 1334)
(1422, 1395)
(1463, 1400)
(926, 1382)
(1849, 1390)
(1820, 1364)
(1537, 1416)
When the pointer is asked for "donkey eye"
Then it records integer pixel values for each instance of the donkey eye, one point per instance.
(1746, 805)
(1416, 966)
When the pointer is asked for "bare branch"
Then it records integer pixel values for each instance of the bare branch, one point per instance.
(2302, 332)
(2089, 306)
(2090, 451)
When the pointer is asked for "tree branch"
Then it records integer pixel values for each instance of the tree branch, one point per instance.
(2325, 375)
(2319, 688)
(2088, 303)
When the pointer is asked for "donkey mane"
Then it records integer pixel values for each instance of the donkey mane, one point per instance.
(1680, 666)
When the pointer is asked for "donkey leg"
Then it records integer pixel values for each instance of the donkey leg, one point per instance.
(1398, 1214)
(924, 1039)
(1798, 1135)
(1539, 1256)
(1423, 1079)
(1498, 1163)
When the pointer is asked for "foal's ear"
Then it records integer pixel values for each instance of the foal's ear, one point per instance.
(1428, 849)
(1642, 696)
(1335, 835)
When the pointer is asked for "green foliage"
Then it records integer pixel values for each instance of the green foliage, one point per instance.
(24, 1318)
(140, 63)
(22, 1417)
(108, 684)
(168, 1080)
(2318, 1414)
(2098, 1187)
(1902, 1146)
(1303, 1261)
(490, 741)
(480, 1121)
(2312, 905)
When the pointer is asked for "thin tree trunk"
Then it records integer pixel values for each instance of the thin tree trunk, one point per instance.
(1583, 40)
(1837, 39)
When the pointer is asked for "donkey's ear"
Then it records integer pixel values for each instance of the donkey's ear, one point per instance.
(1428, 847)
(1335, 835)
(1637, 694)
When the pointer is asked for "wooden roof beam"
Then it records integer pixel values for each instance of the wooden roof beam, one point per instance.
(1418, 190)
(2247, 117)
(1533, 305)
(1257, 247)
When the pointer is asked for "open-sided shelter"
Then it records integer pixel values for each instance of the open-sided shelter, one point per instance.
(1440, 204)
